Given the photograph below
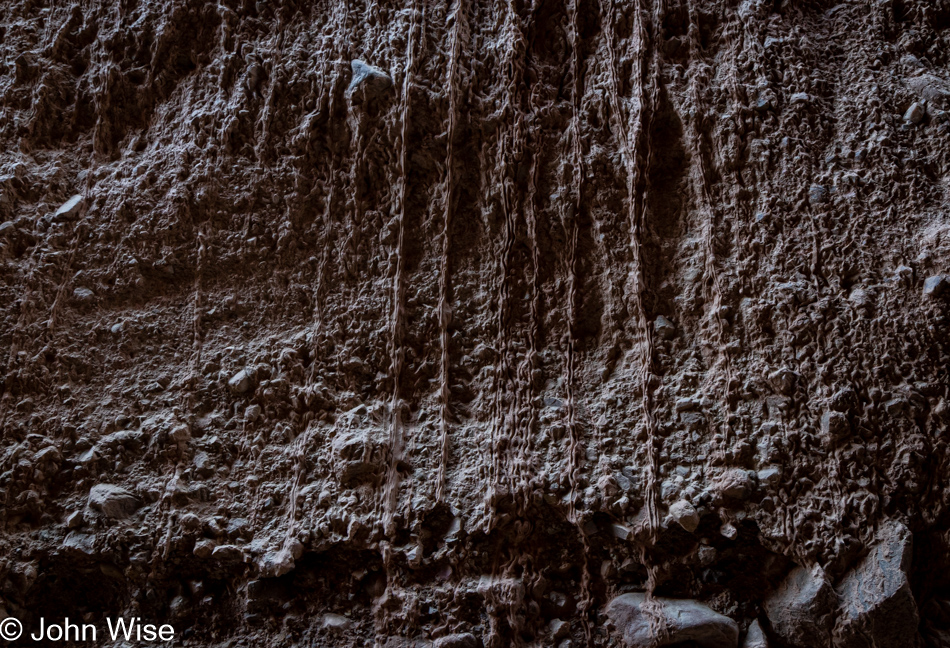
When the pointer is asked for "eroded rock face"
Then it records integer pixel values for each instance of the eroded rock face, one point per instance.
(396, 323)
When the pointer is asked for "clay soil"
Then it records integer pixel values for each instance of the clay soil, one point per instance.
(356, 323)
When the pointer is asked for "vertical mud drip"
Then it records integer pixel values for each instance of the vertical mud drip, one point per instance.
(510, 156)
(459, 21)
(636, 155)
(573, 213)
(397, 352)
(703, 183)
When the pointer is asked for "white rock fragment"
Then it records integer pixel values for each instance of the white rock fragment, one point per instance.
(70, 209)
(685, 515)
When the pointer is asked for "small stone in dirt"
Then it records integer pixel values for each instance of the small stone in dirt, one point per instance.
(560, 629)
(277, 563)
(664, 328)
(83, 543)
(228, 553)
(915, 114)
(685, 515)
(252, 413)
(190, 522)
(204, 548)
(728, 531)
(734, 483)
(769, 476)
(336, 622)
(84, 294)
(112, 501)
(74, 520)
(755, 638)
(240, 383)
(368, 82)
(69, 210)
(461, 640)
(621, 532)
(935, 285)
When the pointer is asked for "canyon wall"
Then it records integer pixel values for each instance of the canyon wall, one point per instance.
(552, 323)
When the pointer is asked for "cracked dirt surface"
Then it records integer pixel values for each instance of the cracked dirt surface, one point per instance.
(477, 323)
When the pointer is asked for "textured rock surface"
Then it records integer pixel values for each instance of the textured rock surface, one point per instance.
(458, 318)
(645, 623)
(877, 605)
(801, 611)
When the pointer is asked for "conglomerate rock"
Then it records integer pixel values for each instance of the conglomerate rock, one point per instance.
(355, 323)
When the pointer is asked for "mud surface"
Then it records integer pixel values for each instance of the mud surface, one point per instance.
(467, 323)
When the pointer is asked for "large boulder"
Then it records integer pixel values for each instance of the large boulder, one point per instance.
(877, 605)
(801, 610)
(649, 623)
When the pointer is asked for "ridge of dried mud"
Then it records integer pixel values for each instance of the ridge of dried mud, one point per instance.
(396, 324)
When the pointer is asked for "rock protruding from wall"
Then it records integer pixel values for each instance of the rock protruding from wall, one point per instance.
(801, 610)
(649, 622)
(877, 605)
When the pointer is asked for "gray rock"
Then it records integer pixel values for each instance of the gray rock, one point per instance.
(834, 426)
(734, 483)
(277, 563)
(664, 328)
(461, 640)
(252, 413)
(621, 532)
(336, 622)
(84, 294)
(801, 609)
(560, 629)
(783, 380)
(368, 82)
(70, 209)
(685, 515)
(755, 638)
(112, 501)
(204, 548)
(770, 476)
(240, 383)
(935, 285)
(227, 553)
(7, 228)
(636, 619)
(190, 522)
(915, 114)
(74, 520)
(83, 543)
(877, 605)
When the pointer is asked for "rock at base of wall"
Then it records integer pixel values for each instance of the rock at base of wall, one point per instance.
(801, 610)
(877, 605)
(647, 623)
